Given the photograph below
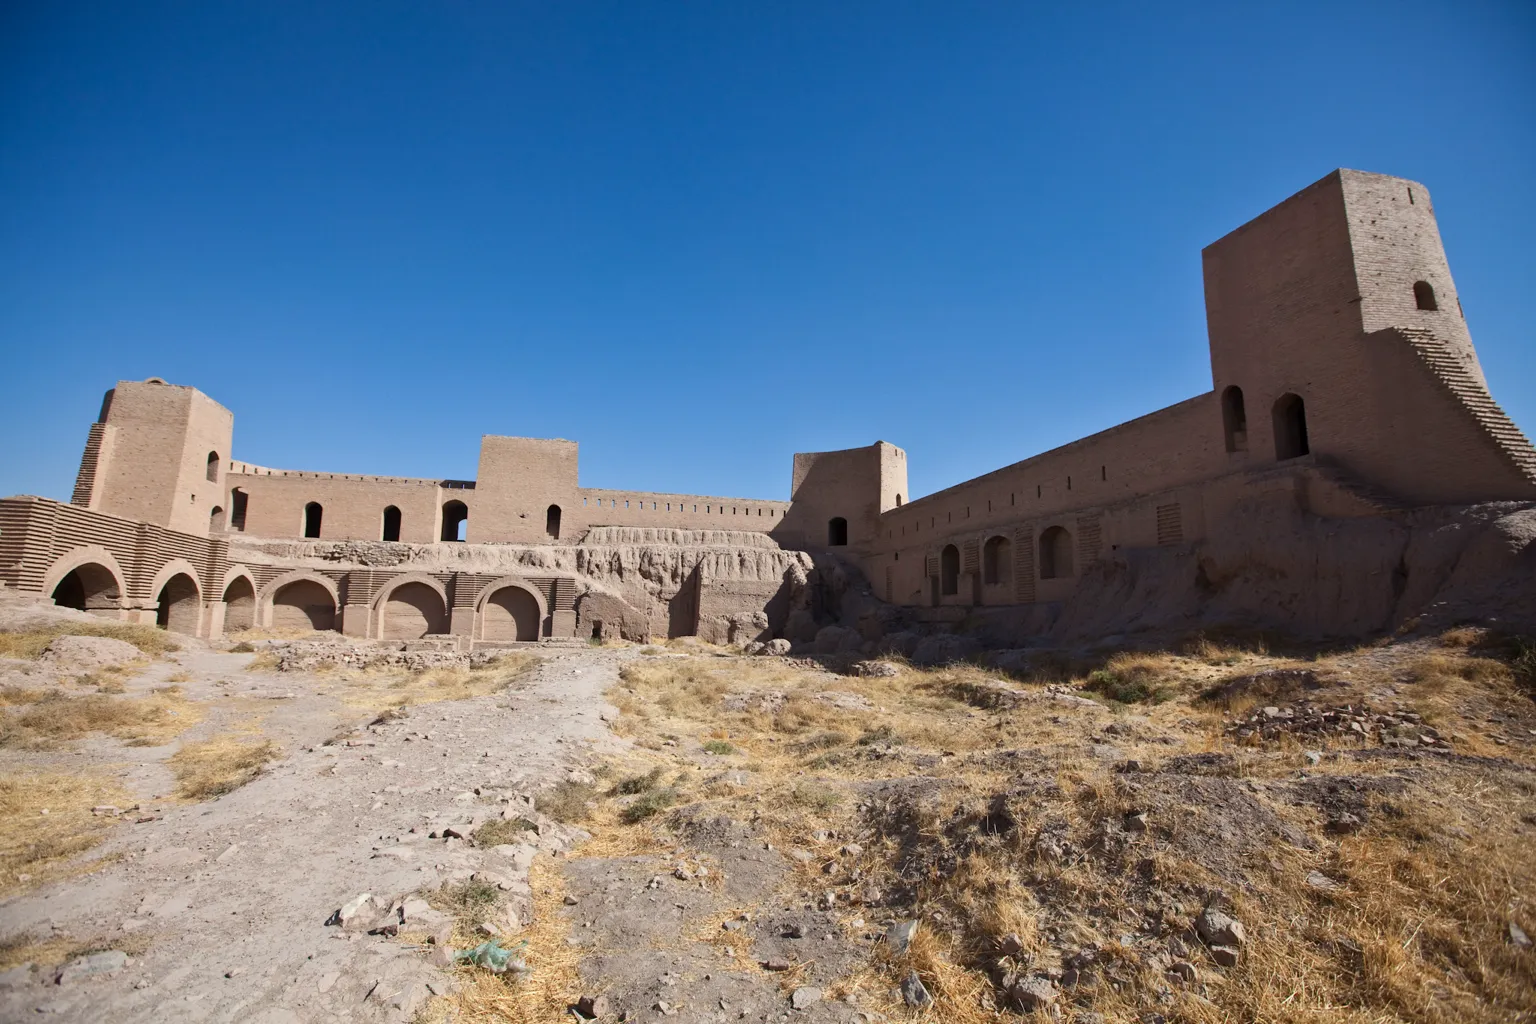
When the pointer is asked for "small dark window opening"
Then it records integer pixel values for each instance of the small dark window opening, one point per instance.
(1290, 421)
(1424, 296)
(455, 521)
(213, 466)
(898, 501)
(552, 522)
(239, 501)
(391, 523)
(949, 570)
(1234, 419)
(597, 629)
(312, 513)
(837, 532)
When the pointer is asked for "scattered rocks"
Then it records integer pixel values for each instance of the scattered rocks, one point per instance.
(1226, 956)
(1517, 936)
(805, 997)
(1397, 728)
(1218, 929)
(1032, 992)
(898, 937)
(593, 1007)
(92, 965)
(914, 993)
(874, 669)
(350, 910)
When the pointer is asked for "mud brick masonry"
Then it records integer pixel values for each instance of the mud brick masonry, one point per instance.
(1344, 377)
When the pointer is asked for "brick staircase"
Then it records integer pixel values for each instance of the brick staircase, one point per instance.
(85, 480)
(1473, 396)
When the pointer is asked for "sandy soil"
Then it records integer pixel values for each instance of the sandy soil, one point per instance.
(231, 896)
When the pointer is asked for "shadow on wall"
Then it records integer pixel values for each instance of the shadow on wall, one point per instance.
(683, 607)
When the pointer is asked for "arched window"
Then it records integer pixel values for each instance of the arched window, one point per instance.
(1055, 554)
(949, 570)
(213, 466)
(312, 513)
(455, 520)
(1290, 419)
(997, 561)
(1424, 296)
(391, 523)
(1234, 419)
(552, 522)
(239, 501)
(216, 520)
(898, 501)
(837, 532)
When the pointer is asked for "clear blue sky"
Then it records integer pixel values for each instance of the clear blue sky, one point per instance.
(700, 237)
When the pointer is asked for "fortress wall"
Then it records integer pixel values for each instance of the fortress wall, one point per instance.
(1174, 446)
(352, 506)
(599, 507)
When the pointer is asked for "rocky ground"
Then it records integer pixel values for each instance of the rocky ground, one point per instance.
(1199, 830)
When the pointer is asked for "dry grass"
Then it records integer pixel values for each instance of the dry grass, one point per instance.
(553, 985)
(1416, 933)
(148, 720)
(31, 643)
(16, 950)
(220, 765)
(381, 689)
(43, 845)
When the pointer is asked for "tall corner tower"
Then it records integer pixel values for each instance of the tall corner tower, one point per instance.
(159, 453)
(1337, 334)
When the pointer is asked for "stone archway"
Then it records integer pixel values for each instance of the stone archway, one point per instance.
(239, 604)
(181, 605)
(412, 610)
(303, 604)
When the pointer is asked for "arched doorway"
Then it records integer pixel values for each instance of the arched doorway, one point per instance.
(510, 613)
(1290, 419)
(552, 522)
(216, 520)
(391, 523)
(303, 604)
(180, 608)
(239, 605)
(837, 532)
(88, 588)
(949, 570)
(1234, 419)
(997, 561)
(455, 521)
(412, 610)
(1055, 553)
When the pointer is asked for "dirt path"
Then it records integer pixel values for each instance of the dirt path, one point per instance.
(233, 894)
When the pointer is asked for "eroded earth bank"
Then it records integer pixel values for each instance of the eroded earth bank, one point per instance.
(1209, 827)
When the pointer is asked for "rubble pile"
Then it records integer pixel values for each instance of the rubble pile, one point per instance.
(1396, 728)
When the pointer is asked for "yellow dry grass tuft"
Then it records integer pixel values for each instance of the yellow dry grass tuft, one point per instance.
(382, 689)
(220, 765)
(31, 643)
(553, 985)
(46, 821)
(141, 721)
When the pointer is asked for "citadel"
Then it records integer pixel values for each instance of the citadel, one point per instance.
(1347, 471)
